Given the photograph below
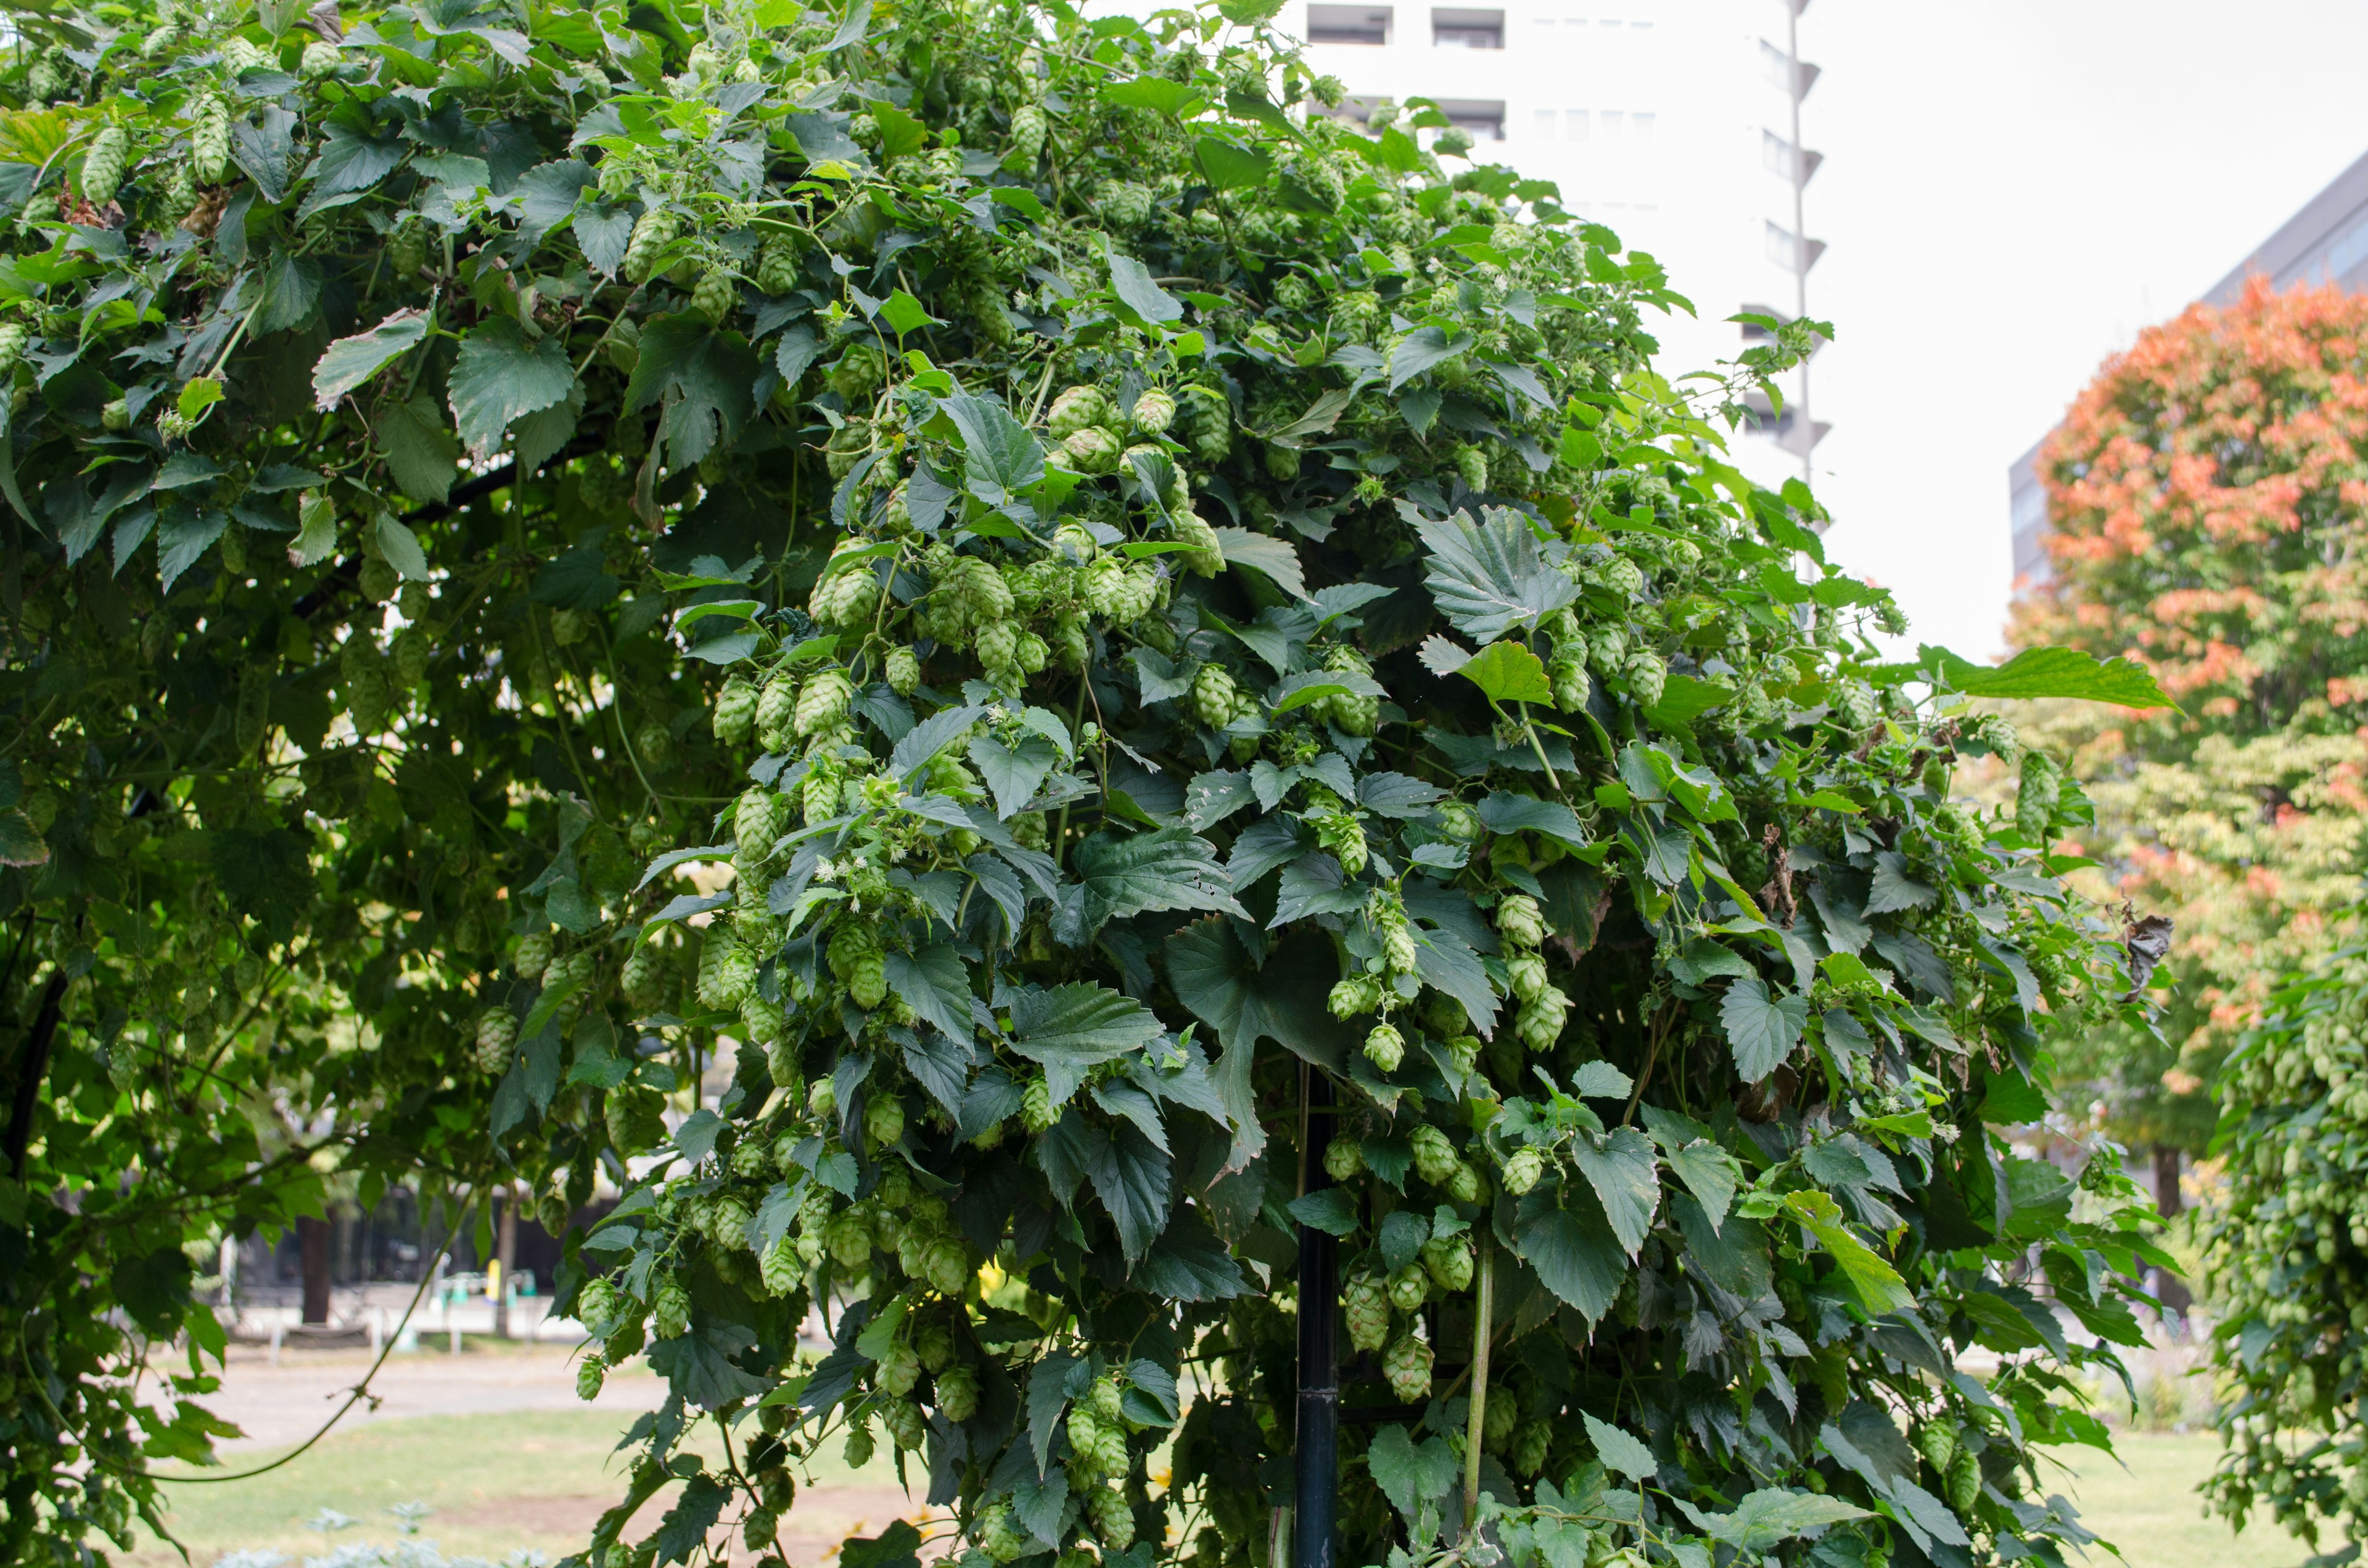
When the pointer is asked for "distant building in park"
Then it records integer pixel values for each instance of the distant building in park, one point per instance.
(2327, 242)
(1676, 125)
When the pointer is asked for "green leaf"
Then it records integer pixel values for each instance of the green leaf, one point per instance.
(1014, 776)
(200, 393)
(1172, 867)
(1621, 1169)
(1577, 1256)
(935, 982)
(1877, 1285)
(1773, 1515)
(1491, 577)
(1410, 1476)
(1273, 559)
(1131, 1175)
(1893, 888)
(700, 1367)
(1000, 458)
(1709, 1173)
(1618, 1451)
(1076, 1026)
(1315, 686)
(1761, 1028)
(904, 313)
(706, 372)
(2050, 672)
(349, 362)
(20, 842)
(1160, 97)
(420, 452)
(291, 285)
(401, 548)
(1229, 165)
(1131, 282)
(1332, 1210)
(499, 376)
(1420, 349)
(1251, 106)
(1509, 673)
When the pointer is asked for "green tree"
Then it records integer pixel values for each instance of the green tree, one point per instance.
(2203, 520)
(1237, 707)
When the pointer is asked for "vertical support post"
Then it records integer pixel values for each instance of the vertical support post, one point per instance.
(1318, 1458)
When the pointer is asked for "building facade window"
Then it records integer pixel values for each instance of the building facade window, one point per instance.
(1458, 28)
(1485, 119)
(1575, 124)
(1349, 24)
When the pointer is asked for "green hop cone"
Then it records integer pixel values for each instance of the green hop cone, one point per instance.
(1937, 1442)
(1105, 1401)
(590, 1375)
(1527, 974)
(14, 335)
(1036, 1105)
(1344, 1157)
(735, 714)
(533, 957)
(753, 826)
(947, 1266)
(1155, 410)
(1206, 555)
(997, 645)
(849, 1239)
(1028, 130)
(726, 970)
(1091, 450)
(1408, 1288)
(1076, 409)
(860, 1445)
(643, 979)
(1213, 695)
(1384, 1047)
(1520, 921)
(103, 164)
(958, 1393)
(1523, 1169)
(1357, 993)
(2040, 789)
(715, 294)
(210, 140)
(1567, 675)
(1531, 1439)
(652, 232)
(496, 1039)
(777, 266)
(1965, 1480)
(1647, 677)
(821, 701)
(1002, 1536)
(1434, 1157)
(635, 1118)
(1112, 1520)
(1085, 1430)
(1539, 1023)
(1407, 1365)
(883, 1117)
(900, 1370)
(867, 984)
(777, 704)
(1464, 1182)
(319, 58)
(670, 1310)
(1366, 1306)
(903, 671)
(1125, 205)
(1449, 1259)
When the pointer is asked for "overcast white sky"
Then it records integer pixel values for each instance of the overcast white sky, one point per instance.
(2011, 190)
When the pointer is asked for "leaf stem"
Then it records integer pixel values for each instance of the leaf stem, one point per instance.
(1477, 1416)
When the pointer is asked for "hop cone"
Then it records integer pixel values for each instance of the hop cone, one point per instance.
(947, 1266)
(1406, 1364)
(714, 294)
(1531, 1442)
(1527, 972)
(496, 1035)
(1075, 409)
(1384, 1047)
(850, 1239)
(1540, 1024)
(1937, 1441)
(1408, 1286)
(1155, 410)
(103, 164)
(1036, 1105)
(869, 985)
(821, 702)
(958, 1393)
(900, 1370)
(1520, 921)
(1449, 1259)
(735, 712)
(1965, 1480)
(726, 970)
(1366, 1304)
(533, 956)
(859, 1444)
(671, 1312)
(883, 1117)
(903, 672)
(1112, 1520)
(1523, 1170)
(1343, 1157)
(590, 1375)
(1434, 1157)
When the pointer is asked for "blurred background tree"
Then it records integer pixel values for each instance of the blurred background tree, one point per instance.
(2204, 499)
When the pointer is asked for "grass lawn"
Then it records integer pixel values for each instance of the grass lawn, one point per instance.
(536, 1479)
(2150, 1509)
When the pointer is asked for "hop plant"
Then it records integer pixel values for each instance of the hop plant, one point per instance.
(883, 1115)
(1567, 675)
(1647, 677)
(1523, 1169)
(903, 672)
(1384, 1047)
(1434, 1157)
(821, 701)
(1212, 693)
(1002, 1536)
(590, 1374)
(1937, 1440)
(643, 978)
(496, 1038)
(671, 1309)
(1344, 1156)
(1112, 1520)
(1531, 1439)
(1036, 1105)
(900, 1370)
(1527, 973)
(1366, 1306)
(1520, 922)
(1357, 993)
(726, 970)
(1450, 1261)
(1540, 1022)
(1965, 1480)
(1408, 1367)
(1076, 408)
(735, 714)
(958, 1393)
(210, 140)
(654, 231)
(715, 294)
(636, 1118)
(860, 1445)
(1155, 410)
(533, 957)
(103, 164)
(1409, 1287)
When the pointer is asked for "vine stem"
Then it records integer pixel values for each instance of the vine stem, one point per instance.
(1478, 1413)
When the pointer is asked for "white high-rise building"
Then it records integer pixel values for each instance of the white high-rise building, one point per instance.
(1676, 124)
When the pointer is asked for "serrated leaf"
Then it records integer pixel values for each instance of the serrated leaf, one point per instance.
(1877, 1285)
(1772, 1515)
(1420, 349)
(420, 452)
(1229, 165)
(1172, 867)
(1272, 559)
(1711, 1173)
(401, 548)
(1072, 1028)
(1013, 774)
(499, 376)
(20, 842)
(1575, 1253)
(1408, 1475)
(1131, 1174)
(349, 361)
(1397, 796)
(1892, 889)
(1491, 577)
(937, 985)
(2038, 672)
(999, 457)
(1618, 1451)
(1761, 1028)
(1509, 673)
(1330, 1210)
(1621, 1169)
(1131, 282)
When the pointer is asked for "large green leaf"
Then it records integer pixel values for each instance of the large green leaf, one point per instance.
(349, 362)
(1618, 1166)
(1130, 1175)
(499, 376)
(420, 452)
(1574, 1252)
(705, 375)
(1131, 282)
(1410, 1474)
(2050, 672)
(1878, 1286)
(1071, 1029)
(1509, 673)
(1618, 1451)
(999, 457)
(1171, 868)
(1271, 557)
(1492, 576)
(1762, 1028)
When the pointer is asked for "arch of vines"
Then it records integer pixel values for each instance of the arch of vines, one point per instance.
(1240, 714)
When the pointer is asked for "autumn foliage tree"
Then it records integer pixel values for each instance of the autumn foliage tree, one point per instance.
(2204, 510)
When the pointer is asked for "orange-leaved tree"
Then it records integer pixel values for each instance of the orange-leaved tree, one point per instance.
(2205, 498)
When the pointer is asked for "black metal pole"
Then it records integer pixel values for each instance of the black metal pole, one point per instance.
(1318, 1493)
